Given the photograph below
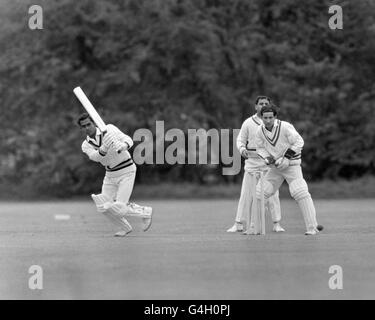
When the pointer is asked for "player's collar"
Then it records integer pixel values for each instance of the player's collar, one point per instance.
(275, 124)
(256, 119)
(97, 141)
(275, 130)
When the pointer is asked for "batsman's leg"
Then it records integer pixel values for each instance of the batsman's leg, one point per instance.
(127, 208)
(103, 204)
(299, 191)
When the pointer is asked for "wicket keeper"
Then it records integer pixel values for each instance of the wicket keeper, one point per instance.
(111, 150)
(280, 145)
(253, 163)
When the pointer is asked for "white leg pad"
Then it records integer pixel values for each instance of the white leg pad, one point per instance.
(308, 210)
(138, 211)
(130, 209)
(100, 200)
(119, 221)
(299, 191)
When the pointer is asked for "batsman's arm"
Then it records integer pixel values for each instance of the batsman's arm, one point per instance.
(119, 137)
(294, 138)
(94, 155)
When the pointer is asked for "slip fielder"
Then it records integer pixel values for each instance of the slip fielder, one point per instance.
(253, 164)
(280, 145)
(111, 150)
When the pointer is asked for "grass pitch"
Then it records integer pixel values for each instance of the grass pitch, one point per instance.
(186, 254)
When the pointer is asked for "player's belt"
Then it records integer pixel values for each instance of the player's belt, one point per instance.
(120, 166)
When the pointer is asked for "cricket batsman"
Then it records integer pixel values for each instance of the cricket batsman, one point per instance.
(111, 151)
(280, 145)
(253, 163)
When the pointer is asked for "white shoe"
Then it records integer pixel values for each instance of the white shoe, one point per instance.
(147, 221)
(277, 228)
(311, 232)
(251, 231)
(122, 233)
(237, 227)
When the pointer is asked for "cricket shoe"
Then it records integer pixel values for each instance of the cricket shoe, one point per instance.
(122, 233)
(251, 231)
(312, 232)
(147, 221)
(237, 227)
(277, 228)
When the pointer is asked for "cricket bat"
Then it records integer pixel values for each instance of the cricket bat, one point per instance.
(91, 110)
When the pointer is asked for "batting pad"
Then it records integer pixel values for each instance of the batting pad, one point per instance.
(298, 189)
(100, 200)
(119, 221)
(139, 211)
(300, 192)
(308, 211)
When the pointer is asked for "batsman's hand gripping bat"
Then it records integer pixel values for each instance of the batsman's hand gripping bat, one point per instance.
(91, 111)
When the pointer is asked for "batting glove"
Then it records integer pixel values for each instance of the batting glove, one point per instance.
(282, 163)
(269, 160)
(121, 146)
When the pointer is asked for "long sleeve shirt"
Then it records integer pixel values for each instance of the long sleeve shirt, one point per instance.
(111, 160)
(274, 143)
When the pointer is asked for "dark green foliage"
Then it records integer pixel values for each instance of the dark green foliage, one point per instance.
(193, 64)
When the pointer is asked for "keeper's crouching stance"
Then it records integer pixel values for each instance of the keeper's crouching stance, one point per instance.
(280, 145)
(111, 150)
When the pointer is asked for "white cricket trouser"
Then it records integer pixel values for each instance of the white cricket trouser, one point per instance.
(248, 196)
(119, 187)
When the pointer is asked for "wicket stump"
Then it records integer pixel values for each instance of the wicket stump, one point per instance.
(256, 215)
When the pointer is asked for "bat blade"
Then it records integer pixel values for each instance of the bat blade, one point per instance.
(90, 109)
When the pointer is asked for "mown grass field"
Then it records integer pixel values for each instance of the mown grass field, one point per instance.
(186, 254)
